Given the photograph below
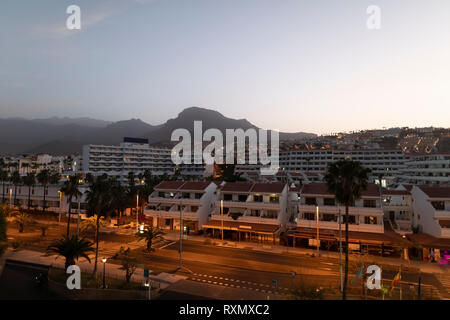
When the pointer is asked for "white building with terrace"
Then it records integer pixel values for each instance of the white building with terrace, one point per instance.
(192, 201)
(432, 210)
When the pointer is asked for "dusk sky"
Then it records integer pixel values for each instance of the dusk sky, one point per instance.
(291, 65)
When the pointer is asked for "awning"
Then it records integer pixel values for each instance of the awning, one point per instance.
(260, 228)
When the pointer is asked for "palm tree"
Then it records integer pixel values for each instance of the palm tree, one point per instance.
(43, 178)
(4, 177)
(70, 189)
(150, 234)
(25, 165)
(15, 180)
(71, 248)
(120, 200)
(29, 180)
(98, 197)
(22, 219)
(346, 179)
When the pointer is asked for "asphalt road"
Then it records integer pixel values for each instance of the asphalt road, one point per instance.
(215, 270)
(17, 283)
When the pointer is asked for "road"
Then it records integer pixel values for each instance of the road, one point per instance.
(261, 271)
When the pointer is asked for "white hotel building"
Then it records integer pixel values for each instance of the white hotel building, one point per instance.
(387, 163)
(132, 155)
(429, 169)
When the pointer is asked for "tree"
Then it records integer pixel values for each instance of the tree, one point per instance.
(89, 225)
(21, 220)
(98, 197)
(120, 199)
(4, 177)
(127, 261)
(70, 189)
(29, 180)
(226, 173)
(43, 178)
(150, 234)
(3, 236)
(71, 248)
(346, 179)
(15, 180)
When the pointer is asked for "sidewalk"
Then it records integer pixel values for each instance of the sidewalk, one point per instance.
(162, 281)
(425, 267)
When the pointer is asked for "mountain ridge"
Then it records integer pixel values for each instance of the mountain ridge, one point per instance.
(59, 136)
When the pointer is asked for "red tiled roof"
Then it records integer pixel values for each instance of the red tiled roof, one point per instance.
(242, 226)
(322, 189)
(436, 192)
(268, 187)
(426, 240)
(237, 187)
(195, 185)
(169, 185)
(408, 187)
(396, 192)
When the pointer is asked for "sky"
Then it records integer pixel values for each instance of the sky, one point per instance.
(291, 65)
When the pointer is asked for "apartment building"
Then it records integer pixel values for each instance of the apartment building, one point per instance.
(54, 199)
(193, 201)
(132, 155)
(427, 169)
(387, 163)
(397, 209)
(432, 210)
(250, 211)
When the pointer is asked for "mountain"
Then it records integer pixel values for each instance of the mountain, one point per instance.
(59, 136)
(83, 121)
(21, 136)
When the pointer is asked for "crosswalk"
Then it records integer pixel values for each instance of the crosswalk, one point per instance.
(236, 283)
(445, 281)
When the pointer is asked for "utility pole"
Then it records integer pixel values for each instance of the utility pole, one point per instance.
(137, 212)
(318, 241)
(181, 237)
(340, 249)
(221, 211)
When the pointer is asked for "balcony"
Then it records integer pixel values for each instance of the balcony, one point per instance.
(374, 228)
(186, 215)
(248, 219)
(335, 209)
(249, 205)
(442, 214)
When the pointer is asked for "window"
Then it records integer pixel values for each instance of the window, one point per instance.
(167, 222)
(309, 216)
(242, 198)
(271, 214)
(329, 217)
(186, 195)
(370, 203)
(258, 198)
(310, 201)
(370, 220)
(198, 195)
(255, 213)
(438, 205)
(329, 201)
(351, 219)
(227, 197)
(274, 199)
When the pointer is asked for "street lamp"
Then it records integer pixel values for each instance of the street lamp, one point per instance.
(221, 211)
(137, 212)
(10, 197)
(318, 241)
(104, 273)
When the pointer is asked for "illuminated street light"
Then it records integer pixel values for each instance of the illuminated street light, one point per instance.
(104, 272)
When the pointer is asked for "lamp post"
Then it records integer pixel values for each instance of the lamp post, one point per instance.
(60, 204)
(318, 241)
(340, 249)
(137, 212)
(10, 197)
(104, 273)
(181, 237)
(78, 220)
(221, 212)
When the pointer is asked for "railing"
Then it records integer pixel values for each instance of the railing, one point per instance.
(373, 228)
